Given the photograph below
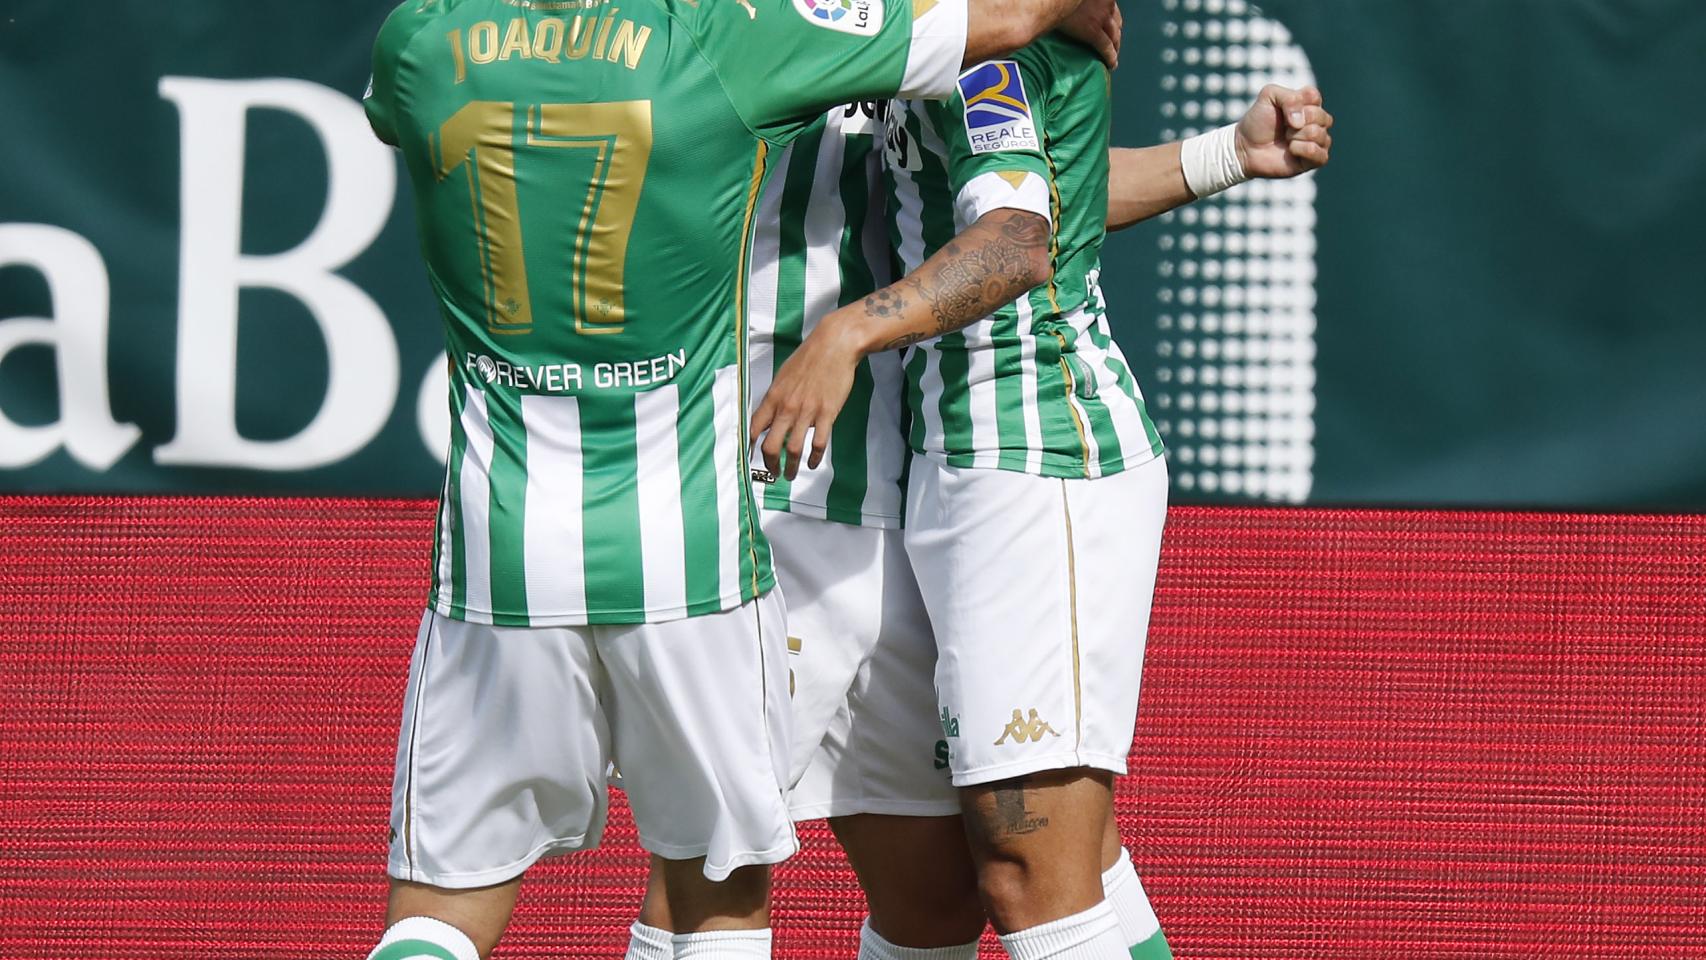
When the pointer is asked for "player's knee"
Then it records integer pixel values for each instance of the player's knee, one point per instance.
(1004, 886)
(942, 916)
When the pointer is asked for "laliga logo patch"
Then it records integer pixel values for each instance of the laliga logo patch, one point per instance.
(859, 17)
(998, 114)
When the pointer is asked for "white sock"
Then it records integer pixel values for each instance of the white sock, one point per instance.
(1091, 935)
(1124, 891)
(722, 945)
(872, 946)
(423, 938)
(649, 943)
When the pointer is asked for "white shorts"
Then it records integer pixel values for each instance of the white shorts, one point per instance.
(508, 732)
(867, 738)
(1039, 589)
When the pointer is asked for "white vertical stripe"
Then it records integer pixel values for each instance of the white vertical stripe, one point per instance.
(938, 42)
(725, 395)
(983, 404)
(930, 392)
(554, 541)
(909, 206)
(886, 446)
(1028, 385)
(663, 541)
(476, 504)
(764, 275)
(767, 248)
(826, 218)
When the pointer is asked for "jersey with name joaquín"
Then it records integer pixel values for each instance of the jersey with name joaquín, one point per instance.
(821, 242)
(1040, 386)
(584, 176)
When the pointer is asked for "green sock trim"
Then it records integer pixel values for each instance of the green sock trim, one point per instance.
(1155, 948)
(406, 949)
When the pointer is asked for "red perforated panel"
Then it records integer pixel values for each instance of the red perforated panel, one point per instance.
(1363, 735)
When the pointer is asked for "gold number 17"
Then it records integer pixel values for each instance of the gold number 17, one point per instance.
(481, 137)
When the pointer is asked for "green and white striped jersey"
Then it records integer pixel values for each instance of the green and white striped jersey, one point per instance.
(821, 242)
(1040, 386)
(585, 176)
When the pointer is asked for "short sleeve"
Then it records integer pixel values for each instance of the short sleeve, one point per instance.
(784, 62)
(992, 130)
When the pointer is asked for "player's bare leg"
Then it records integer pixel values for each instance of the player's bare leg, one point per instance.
(1037, 843)
(680, 900)
(686, 915)
(917, 874)
(480, 915)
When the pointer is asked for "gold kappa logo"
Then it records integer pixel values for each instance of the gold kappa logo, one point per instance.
(1023, 730)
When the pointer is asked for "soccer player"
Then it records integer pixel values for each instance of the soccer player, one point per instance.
(584, 180)
(1037, 492)
(861, 652)
(868, 747)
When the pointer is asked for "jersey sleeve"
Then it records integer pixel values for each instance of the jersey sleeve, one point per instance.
(784, 62)
(993, 132)
(383, 88)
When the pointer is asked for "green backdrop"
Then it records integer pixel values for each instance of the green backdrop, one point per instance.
(1493, 296)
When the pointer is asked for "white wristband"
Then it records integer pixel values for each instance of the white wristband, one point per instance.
(1211, 161)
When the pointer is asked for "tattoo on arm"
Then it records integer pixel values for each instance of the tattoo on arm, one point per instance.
(906, 340)
(983, 269)
(983, 272)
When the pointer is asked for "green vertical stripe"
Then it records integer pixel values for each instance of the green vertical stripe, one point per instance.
(851, 477)
(954, 405)
(458, 530)
(508, 516)
(850, 473)
(857, 279)
(696, 443)
(615, 579)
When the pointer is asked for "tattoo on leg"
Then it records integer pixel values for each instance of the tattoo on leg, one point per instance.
(1012, 819)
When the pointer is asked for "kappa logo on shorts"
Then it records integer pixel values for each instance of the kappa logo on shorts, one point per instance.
(998, 113)
(1024, 730)
(862, 18)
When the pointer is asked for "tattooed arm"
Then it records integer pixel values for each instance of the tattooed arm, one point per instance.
(995, 260)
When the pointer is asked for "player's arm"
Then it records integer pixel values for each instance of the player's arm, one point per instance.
(783, 62)
(1286, 132)
(999, 27)
(987, 266)
(993, 134)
